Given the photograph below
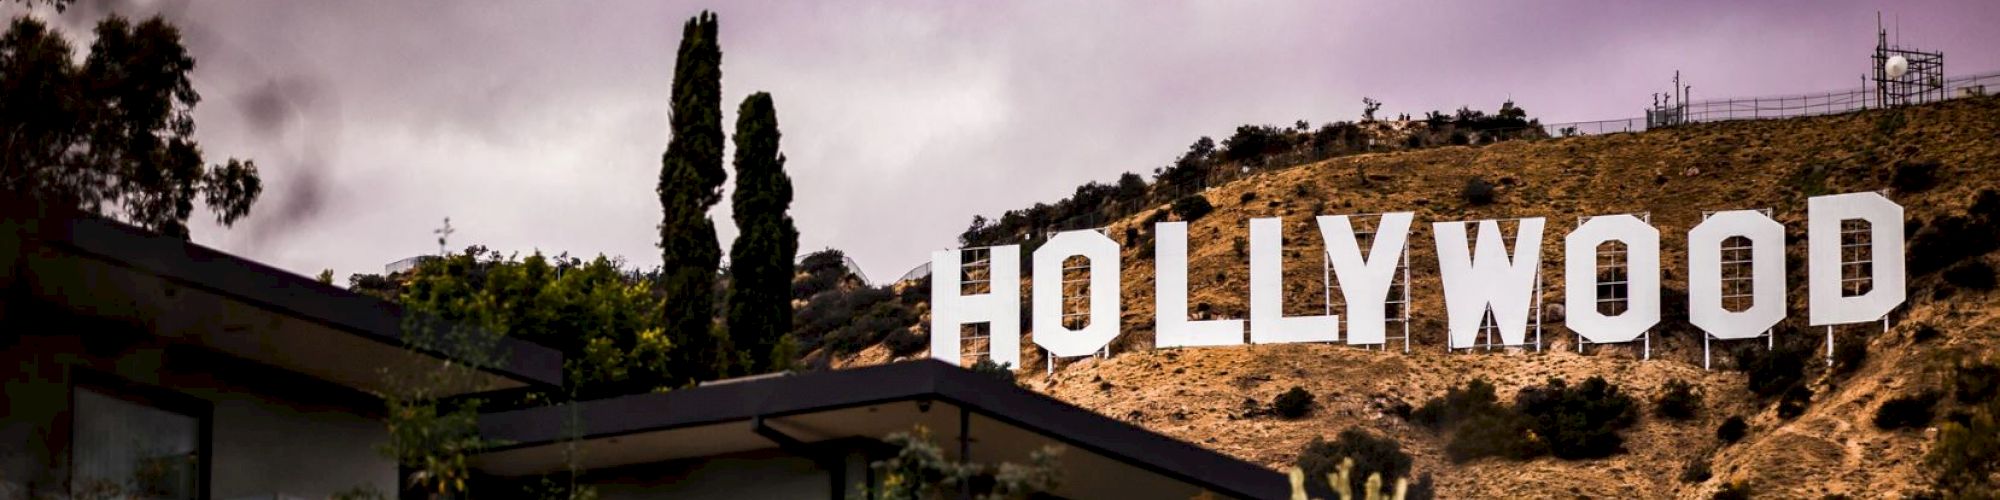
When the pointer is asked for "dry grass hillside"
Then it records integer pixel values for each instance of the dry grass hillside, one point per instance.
(1199, 394)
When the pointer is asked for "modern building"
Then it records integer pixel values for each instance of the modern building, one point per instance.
(156, 368)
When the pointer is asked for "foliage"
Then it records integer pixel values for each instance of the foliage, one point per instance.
(1793, 403)
(844, 315)
(1477, 192)
(760, 259)
(1369, 455)
(1906, 412)
(691, 177)
(1192, 207)
(1972, 384)
(604, 318)
(1732, 430)
(114, 134)
(1293, 403)
(1003, 372)
(1771, 371)
(1849, 353)
(1950, 239)
(1976, 275)
(1458, 405)
(1914, 177)
(1697, 470)
(1679, 401)
(920, 471)
(1581, 421)
(1737, 490)
(1967, 453)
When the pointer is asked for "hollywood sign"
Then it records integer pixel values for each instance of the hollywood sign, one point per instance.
(1479, 277)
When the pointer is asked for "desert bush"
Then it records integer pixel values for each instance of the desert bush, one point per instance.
(1580, 421)
(1732, 430)
(1246, 198)
(1293, 403)
(998, 371)
(1973, 384)
(1739, 490)
(1371, 454)
(1506, 434)
(1477, 192)
(1953, 238)
(1906, 412)
(1924, 332)
(1967, 453)
(1193, 207)
(1849, 352)
(1971, 275)
(1794, 402)
(1696, 471)
(1771, 371)
(904, 342)
(1679, 401)
(1458, 404)
(1914, 177)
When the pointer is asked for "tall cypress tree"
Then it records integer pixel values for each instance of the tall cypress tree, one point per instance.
(691, 176)
(760, 260)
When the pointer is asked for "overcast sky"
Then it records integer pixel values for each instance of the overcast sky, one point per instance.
(539, 125)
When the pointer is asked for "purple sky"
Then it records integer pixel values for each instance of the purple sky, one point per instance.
(539, 125)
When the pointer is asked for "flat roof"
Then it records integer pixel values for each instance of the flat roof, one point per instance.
(114, 254)
(834, 405)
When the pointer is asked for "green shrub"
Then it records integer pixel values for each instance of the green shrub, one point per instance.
(1732, 430)
(1771, 371)
(1924, 332)
(1739, 490)
(1477, 192)
(904, 342)
(1794, 402)
(1914, 177)
(998, 371)
(1906, 412)
(1292, 403)
(1975, 383)
(1423, 489)
(1950, 239)
(1192, 207)
(1971, 275)
(1849, 352)
(1371, 455)
(1581, 421)
(1696, 471)
(1504, 434)
(1967, 453)
(1457, 405)
(1680, 401)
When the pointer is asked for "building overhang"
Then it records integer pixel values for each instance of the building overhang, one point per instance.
(1103, 457)
(193, 295)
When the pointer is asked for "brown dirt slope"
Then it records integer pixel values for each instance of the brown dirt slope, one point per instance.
(1199, 394)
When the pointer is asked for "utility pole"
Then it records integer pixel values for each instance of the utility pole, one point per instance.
(443, 233)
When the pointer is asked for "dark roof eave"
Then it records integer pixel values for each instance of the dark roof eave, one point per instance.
(241, 279)
(920, 380)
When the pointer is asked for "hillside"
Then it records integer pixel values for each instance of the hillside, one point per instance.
(1199, 394)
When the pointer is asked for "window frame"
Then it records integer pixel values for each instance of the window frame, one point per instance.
(155, 397)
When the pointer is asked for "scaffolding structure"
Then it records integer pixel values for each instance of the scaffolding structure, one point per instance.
(1923, 81)
(1614, 285)
(1396, 306)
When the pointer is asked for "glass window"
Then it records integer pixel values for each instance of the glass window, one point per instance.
(129, 449)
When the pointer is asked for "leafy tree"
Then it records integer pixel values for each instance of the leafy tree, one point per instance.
(691, 178)
(919, 470)
(604, 319)
(114, 136)
(760, 261)
(1371, 455)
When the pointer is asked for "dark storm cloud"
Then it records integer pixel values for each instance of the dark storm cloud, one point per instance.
(540, 125)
